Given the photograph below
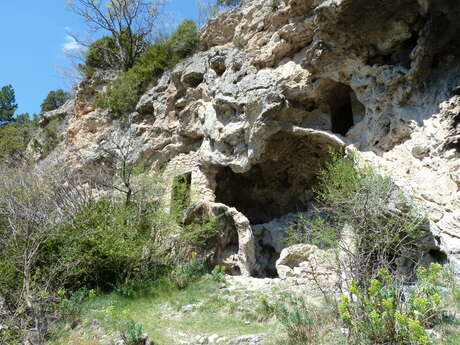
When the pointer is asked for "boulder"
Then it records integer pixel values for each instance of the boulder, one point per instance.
(308, 264)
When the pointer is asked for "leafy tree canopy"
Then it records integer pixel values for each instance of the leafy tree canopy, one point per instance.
(7, 105)
(54, 100)
(185, 39)
(229, 2)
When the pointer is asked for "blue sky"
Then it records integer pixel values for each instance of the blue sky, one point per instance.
(32, 37)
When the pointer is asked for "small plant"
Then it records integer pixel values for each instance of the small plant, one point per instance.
(218, 274)
(184, 274)
(299, 321)
(265, 309)
(130, 331)
(380, 314)
(70, 304)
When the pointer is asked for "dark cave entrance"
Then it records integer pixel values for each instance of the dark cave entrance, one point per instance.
(280, 184)
(340, 103)
(437, 256)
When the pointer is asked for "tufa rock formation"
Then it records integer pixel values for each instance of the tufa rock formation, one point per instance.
(251, 117)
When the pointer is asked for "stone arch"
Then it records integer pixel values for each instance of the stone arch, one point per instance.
(276, 187)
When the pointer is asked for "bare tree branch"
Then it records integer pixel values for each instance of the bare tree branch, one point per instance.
(130, 22)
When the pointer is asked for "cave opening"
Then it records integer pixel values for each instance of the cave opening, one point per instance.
(340, 102)
(278, 185)
(438, 256)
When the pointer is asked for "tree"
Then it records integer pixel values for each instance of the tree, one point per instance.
(54, 100)
(228, 2)
(130, 23)
(31, 207)
(185, 39)
(7, 105)
(119, 171)
(102, 53)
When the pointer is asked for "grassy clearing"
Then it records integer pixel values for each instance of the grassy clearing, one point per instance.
(226, 312)
(214, 311)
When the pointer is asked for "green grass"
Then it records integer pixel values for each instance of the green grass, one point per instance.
(159, 313)
(216, 311)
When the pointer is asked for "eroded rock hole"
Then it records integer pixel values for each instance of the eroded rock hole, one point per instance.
(438, 256)
(279, 185)
(399, 56)
(267, 260)
(345, 108)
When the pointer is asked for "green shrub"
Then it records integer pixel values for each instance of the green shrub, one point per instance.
(121, 241)
(50, 137)
(101, 52)
(123, 94)
(352, 195)
(265, 309)
(184, 274)
(380, 315)
(71, 303)
(185, 39)
(299, 321)
(11, 140)
(15, 136)
(218, 274)
(131, 332)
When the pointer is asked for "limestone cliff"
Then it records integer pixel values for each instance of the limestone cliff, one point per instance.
(252, 115)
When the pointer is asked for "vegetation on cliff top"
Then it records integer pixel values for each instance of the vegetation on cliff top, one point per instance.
(123, 93)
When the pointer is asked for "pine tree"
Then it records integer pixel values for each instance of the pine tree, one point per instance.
(7, 105)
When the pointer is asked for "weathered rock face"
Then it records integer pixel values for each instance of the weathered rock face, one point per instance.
(275, 87)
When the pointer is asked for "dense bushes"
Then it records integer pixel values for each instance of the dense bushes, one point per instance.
(382, 315)
(365, 215)
(15, 131)
(74, 242)
(101, 52)
(13, 141)
(185, 39)
(372, 229)
(123, 94)
(118, 242)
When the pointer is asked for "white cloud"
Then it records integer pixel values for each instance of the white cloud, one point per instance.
(71, 45)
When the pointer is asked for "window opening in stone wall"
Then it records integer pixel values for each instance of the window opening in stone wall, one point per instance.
(181, 194)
